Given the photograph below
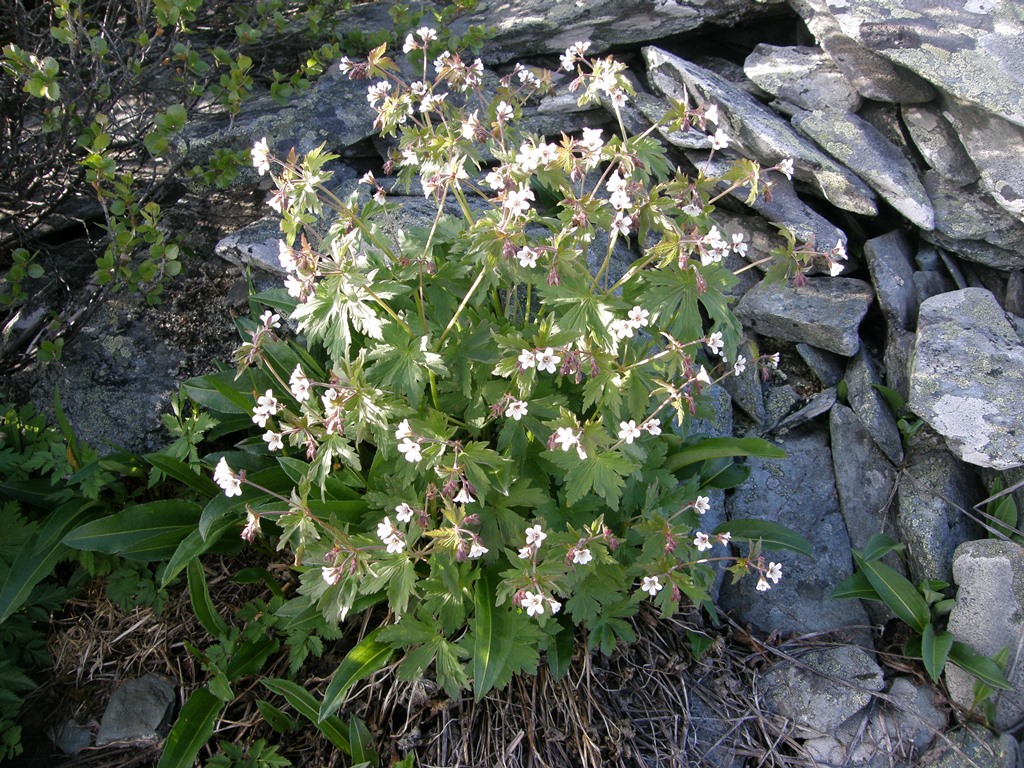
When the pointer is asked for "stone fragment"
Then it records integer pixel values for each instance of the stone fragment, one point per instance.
(899, 348)
(823, 689)
(826, 366)
(255, 245)
(933, 491)
(779, 403)
(858, 144)
(798, 492)
(70, 737)
(906, 721)
(747, 389)
(994, 146)
(928, 283)
(967, 377)
(817, 405)
(757, 131)
(802, 75)
(872, 408)
(138, 712)
(874, 76)
(825, 312)
(528, 28)
(973, 746)
(938, 143)
(989, 616)
(890, 259)
(971, 49)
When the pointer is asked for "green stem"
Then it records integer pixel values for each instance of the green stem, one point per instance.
(458, 312)
(607, 260)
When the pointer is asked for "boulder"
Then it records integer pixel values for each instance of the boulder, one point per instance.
(826, 366)
(803, 76)
(858, 144)
(936, 490)
(757, 131)
(822, 689)
(989, 616)
(938, 143)
(798, 492)
(138, 713)
(971, 49)
(874, 76)
(824, 313)
(967, 377)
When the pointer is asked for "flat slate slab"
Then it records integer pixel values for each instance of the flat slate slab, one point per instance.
(825, 312)
(967, 377)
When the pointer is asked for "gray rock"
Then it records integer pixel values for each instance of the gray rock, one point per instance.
(758, 132)
(971, 49)
(988, 616)
(871, 406)
(967, 377)
(708, 735)
(928, 283)
(825, 312)
(138, 712)
(802, 75)
(993, 145)
(934, 491)
(973, 746)
(826, 366)
(899, 348)
(901, 725)
(535, 27)
(824, 689)
(334, 111)
(654, 109)
(817, 405)
(864, 477)
(969, 223)
(779, 403)
(938, 143)
(255, 245)
(70, 737)
(798, 492)
(890, 259)
(747, 389)
(872, 75)
(860, 145)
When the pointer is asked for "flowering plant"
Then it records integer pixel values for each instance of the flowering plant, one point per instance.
(475, 421)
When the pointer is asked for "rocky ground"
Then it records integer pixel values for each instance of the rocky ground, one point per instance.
(906, 125)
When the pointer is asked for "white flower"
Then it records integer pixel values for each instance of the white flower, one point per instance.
(724, 537)
(377, 91)
(738, 246)
(463, 497)
(581, 555)
(404, 430)
(573, 52)
(533, 603)
(762, 585)
(345, 65)
(772, 360)
(410, 44)
(410, 449)
(547, 360)
(702, 504)
(526, 553)
(299, 384)
(332, 575)
(554, 605)
(252, 526)
(226, 479)
(286, 256)
(786, 168)
(503, 113)
(835, 267)
(702, 376)
(477, 550)
(639, 316)
(470, 126)
(711, 113)
(527, 257)
(495, 180)
(534, 536)
(702, 542)
(517, 201)
(622, 329)
(652, 585)
(268, 402)
(592, 141)
(566, 437)
(404, 513)
(261, 156)
(628, 431)
(395, 546)
(720, 140)
(774, 572)
(715, 342)
(740, 365)
(427, 35)
(273, 439)
(516, 410)
(653, 427)
(527, 359)
(386, 530)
